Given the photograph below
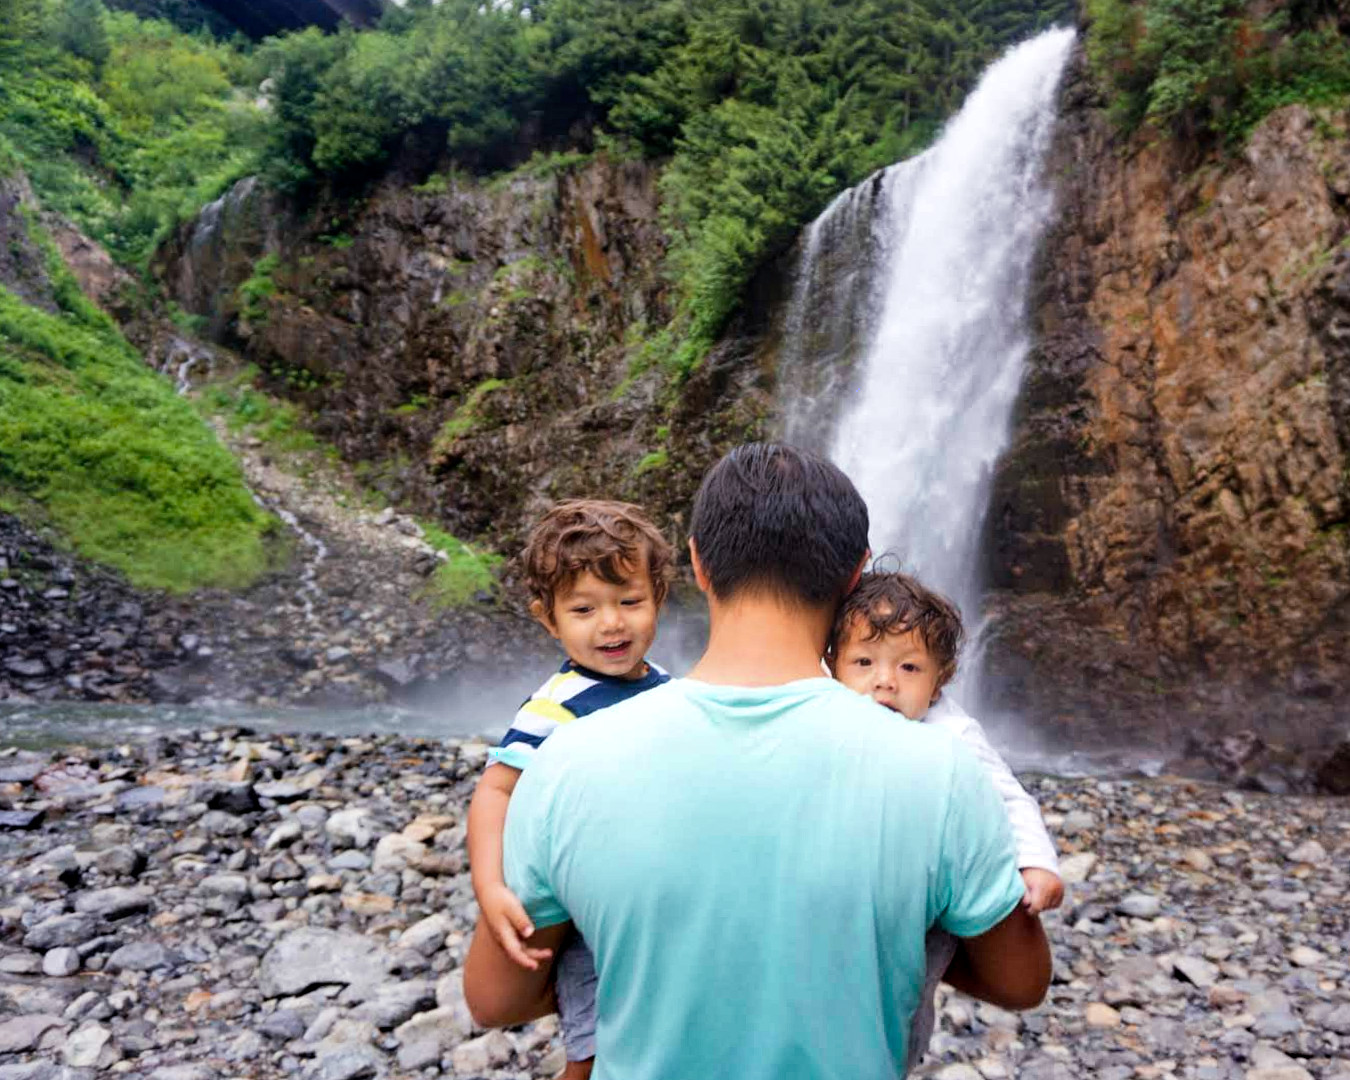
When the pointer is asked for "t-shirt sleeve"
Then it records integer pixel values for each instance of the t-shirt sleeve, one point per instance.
(535, 721)
(978, 881)
(527, 848)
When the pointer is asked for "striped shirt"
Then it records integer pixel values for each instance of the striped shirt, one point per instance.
(570, 694)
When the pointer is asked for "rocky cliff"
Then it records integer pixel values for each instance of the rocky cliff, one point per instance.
(1168, 534)
(483, 347)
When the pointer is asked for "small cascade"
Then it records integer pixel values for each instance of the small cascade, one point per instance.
(181, 359)
(905, 343)
(308, 592)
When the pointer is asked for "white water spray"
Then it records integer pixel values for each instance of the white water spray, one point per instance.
(927, 411)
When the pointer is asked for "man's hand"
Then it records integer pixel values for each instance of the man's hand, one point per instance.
(1045, 891)
(506, 919)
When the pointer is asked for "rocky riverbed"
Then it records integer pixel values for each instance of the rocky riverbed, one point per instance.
(223, 903)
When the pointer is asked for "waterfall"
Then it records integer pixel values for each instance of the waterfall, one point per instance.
(918, 409)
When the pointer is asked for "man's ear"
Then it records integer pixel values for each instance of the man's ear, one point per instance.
(543, 617)
(700, 576)
(858, 571)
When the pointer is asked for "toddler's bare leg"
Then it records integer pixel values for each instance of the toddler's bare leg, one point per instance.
(578, 1070)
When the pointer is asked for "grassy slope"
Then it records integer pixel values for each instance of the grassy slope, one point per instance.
(103, 448)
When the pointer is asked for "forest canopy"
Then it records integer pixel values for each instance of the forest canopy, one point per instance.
(761, 110)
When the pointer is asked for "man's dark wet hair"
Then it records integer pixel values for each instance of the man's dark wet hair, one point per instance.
(773, 518)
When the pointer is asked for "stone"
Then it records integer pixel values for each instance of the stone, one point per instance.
(1198, 859)
(21, 820)
(183, 1072)
(1280, 900)
(480, 1054)
(142, 956)
(958, 1072)
(1099, 1015)
(1140, 906)
(427, 936)
(1287, 1072)
(1303, 956)
(429, 1035)
(284, 835)
(350, 860)
(114, 903)
(362, 903)
(61, 930)
(21, 1033)
(396, 852)
(1076, 822)
(223, 893)
(306, 958)
(1310, 851)
(283, 1025)
(90, 1047)
(393, 1003)
(1196, 970)
(350, 828)
(60, 962)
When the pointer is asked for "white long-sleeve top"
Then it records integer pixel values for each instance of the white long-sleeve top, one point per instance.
(1034, 846)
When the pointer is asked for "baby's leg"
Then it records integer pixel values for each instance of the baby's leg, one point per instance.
(939, 948)
(575, 978)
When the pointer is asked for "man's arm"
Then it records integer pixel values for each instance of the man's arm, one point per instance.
(1008, 966)
(499, 991)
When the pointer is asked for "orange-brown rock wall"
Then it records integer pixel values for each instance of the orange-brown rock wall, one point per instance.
(1168, 537)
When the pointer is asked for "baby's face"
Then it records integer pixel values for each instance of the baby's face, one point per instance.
(894, 670)
(605, 627)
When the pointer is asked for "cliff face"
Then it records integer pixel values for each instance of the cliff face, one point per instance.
(478, 345)
(1168, 534)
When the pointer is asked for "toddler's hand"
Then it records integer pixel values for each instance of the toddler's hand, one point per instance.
(506, 918)
(1045, 891)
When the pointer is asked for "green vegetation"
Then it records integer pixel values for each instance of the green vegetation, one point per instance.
(467, 417)
(1215, 67)
(467, 572)
(766, 108)
(657, 459)
(124, 125)
(259, 287)
(244, 408)
(96, 443)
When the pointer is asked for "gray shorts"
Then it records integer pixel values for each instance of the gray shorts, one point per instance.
(574, 976)
(939, 947)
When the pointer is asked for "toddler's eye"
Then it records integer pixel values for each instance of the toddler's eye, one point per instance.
(913, 669)
(863, 661)
(632, 602)
(581, 611)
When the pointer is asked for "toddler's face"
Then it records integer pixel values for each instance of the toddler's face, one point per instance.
(894, 670)
(607, 628)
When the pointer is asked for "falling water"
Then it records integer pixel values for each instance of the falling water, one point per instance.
(922, 401)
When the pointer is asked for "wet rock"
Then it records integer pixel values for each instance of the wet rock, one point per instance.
(307, 958)
(1140, 906)
(21, 1033)
(61, 930)
(90, 1047)
(113, 903)
(425, 1038)
(350, 828)
(142, 956)
(60, 962)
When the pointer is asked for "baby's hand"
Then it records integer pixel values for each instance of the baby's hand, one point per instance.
(1044, 890)
(506, 918)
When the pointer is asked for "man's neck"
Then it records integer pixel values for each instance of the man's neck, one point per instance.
(758, 640)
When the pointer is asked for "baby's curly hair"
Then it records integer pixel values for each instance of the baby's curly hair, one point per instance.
(612, 540)
(895, 603)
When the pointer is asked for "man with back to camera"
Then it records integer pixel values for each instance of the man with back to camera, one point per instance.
(755, 853)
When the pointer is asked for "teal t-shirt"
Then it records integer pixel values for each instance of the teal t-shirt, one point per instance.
(755, 871)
